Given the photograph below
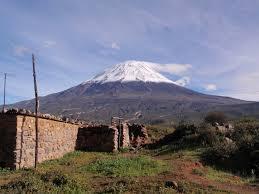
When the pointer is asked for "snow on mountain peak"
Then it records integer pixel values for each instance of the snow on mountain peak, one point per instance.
(131, 71)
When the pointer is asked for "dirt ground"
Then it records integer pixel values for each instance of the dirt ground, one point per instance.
(184, 171)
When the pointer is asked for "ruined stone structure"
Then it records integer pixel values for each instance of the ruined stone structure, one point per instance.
(138, 135)
(125, 138)
(57, 138)
(97, 138)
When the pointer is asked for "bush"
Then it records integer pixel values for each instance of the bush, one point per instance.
(239, 151)
(208, 135)
(189, 135)
(216, 117)
(221, 151)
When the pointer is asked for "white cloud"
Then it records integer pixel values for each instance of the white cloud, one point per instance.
(49, 43)
(115, 45)
(211, 87)
(20, 50)
(176, 69)
(183, 81)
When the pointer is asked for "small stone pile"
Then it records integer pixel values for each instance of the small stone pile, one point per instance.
(17, 111)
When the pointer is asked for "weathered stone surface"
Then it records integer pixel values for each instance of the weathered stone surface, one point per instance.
(97, 138)
(138, 135)
(171, 184)
(56, 138)
(17, 139)
(125, 135)
(7, 140)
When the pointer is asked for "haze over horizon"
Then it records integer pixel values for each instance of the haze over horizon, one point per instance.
(212, 45)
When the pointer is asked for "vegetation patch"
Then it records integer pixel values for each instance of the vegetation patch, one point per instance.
(198, 172)
(224, 177)
(156, 132)
(127, 166)
(5, 171)
(35, 182)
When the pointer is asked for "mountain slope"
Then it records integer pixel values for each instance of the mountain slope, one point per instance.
(132, 90)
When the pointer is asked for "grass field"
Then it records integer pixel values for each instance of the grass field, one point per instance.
(144, 172)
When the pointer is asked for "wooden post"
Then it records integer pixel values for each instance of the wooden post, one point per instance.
(119, 134)
(36, 112)
(111, 121)
(5, 75)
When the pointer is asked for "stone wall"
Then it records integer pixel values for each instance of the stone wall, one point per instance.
(125, 139)
(17, 140)
(97, 138)
(7, 140)
(138, 135)
(56, 139)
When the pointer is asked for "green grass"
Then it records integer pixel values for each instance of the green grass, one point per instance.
(198, 172)
(91, 172)
(127, 166)
(225, 177)
(156, 132)
(193, 153)
(34, 182)
(187, 187)
(5, 171)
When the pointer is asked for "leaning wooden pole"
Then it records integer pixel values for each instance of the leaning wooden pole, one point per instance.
(36, 112)
(5, 75)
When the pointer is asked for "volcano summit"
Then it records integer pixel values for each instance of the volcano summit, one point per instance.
(133, 90)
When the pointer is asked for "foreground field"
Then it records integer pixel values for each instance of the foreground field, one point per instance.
(157, 171)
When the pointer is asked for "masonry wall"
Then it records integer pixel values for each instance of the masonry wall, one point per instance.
(138, 135)
(97, 138)
(125, 138)
(7, 140)
(56, 139)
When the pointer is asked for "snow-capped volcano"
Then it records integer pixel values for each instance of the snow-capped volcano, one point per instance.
(128, 89)
(131, 71)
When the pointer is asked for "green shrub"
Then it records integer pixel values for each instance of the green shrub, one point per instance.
(239, 152)
(190, 135)
(221, 151)
(216, 117)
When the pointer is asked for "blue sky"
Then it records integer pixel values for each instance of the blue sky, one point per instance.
(74, 40)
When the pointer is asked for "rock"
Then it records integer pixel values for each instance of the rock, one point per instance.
(46, 116)
(59, 118)
(132, 149)
(228, 140)
(65, 119)
(22, 111)
(171, 184)
(12, 111)
(28, 112)
(5, 110)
